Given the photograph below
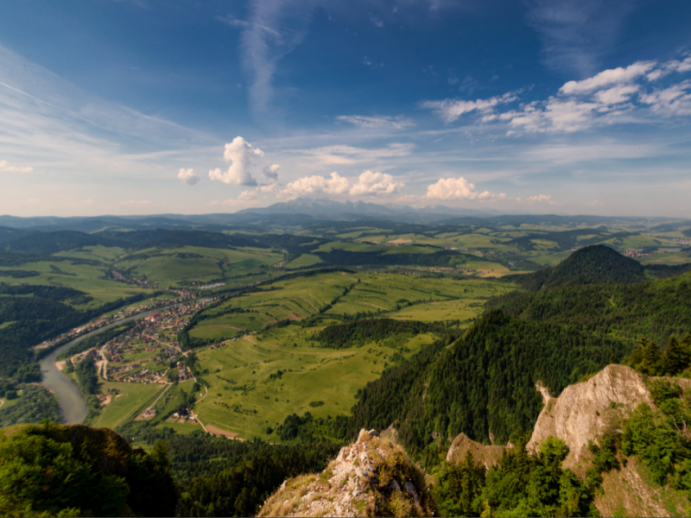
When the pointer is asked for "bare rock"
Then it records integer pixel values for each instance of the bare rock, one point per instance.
(486, 455)
(372, 477)
(589, 409)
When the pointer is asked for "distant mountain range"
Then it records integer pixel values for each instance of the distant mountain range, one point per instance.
(304, 212)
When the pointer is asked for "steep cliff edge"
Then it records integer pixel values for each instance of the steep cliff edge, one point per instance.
(371, 477)
(488, 456)
(587, 410)
(599, 407)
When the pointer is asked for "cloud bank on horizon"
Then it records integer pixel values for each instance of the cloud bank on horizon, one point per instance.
(571, 107)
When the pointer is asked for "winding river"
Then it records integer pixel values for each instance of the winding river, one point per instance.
(72, 405)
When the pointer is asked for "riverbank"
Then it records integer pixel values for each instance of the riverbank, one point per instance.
(73, 408)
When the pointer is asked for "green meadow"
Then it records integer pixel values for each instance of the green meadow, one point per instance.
(262, 375)
(127, 401)
(188, 265)
(256, 382)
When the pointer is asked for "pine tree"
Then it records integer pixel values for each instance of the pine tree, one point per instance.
(675, 358)
(651, 358)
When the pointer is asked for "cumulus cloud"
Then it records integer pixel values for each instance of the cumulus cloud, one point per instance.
(307, 185)
(240, 154)
(271, 172)
(608, 77)
(459, 189)
(375, 184)
(188, 176)
(6, 167)
(247, 195)
(376, 122)
(451, 109)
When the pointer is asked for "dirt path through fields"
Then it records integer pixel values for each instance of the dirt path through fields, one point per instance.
(308, 302)
(217, 431)
(374, 306)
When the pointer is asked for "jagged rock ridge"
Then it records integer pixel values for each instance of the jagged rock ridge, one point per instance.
(372, 477)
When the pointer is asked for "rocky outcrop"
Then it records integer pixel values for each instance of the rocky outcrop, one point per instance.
(372, 477)
(486, 455)
(590, 409)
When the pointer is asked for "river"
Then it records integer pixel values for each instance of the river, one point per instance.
(73, 407)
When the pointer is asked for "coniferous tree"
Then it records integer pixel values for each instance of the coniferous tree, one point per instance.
(675, 359)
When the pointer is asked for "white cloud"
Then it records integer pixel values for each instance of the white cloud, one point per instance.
(459, 189)
(247, 196)
(6, 167)
(188, 176)
(616, 94)
(273, 29)
(271, 172)
(672, 101)
(272, 187)
(316, 185)
(240, 153)
(554, 115)
(451, 109)
(342, 155)
(669, 67)
(375, 184)
(376, 122)
(541, 198)
(608, 77)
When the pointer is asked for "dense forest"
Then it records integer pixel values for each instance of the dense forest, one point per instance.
(654, 309)
(34, 404)
(597, 264)
(484, 384)
(360, 332)
(439, 258)
(56, 470)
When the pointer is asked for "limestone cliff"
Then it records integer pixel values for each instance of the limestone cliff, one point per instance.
(372, 477)
(485, 455)
(590, 409)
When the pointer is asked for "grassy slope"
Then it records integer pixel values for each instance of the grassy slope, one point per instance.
(241, 385)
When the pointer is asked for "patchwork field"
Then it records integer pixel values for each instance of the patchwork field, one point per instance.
(189, 265)
(256, 382)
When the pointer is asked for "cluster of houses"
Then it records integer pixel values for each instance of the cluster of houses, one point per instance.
(127, 312)
(633, 252)
(130, 280)
(155, 334)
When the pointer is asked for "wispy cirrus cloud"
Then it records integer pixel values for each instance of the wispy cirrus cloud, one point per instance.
(385, 122)
(623, 94)
(449, 110)
(274, 28)
(7, 168)
(577, 34)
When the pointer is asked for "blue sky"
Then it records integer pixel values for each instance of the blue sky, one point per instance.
(148, 106)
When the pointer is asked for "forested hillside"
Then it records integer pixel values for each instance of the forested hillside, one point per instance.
(654, 309)
(484, 384)
(590, 265)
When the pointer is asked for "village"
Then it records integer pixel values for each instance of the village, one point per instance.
(149, 352)
(182, 296)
